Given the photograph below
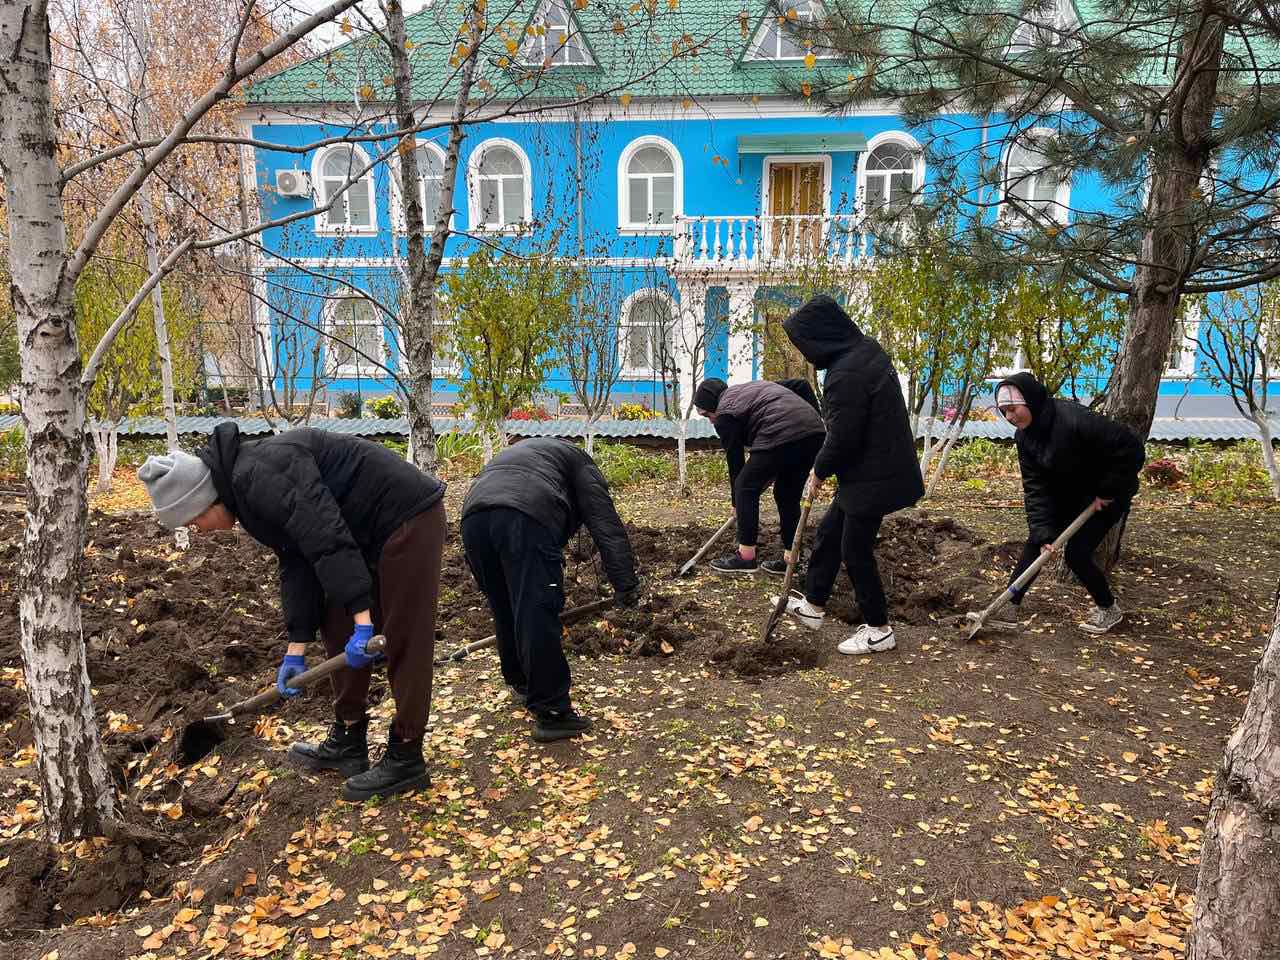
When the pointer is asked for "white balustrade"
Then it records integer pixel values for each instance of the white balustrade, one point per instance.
(760, 242)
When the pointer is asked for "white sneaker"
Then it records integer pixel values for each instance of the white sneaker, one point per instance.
(1102, 619)
(804, 611)
(869, 639)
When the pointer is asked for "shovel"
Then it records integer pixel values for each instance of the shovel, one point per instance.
(979, 620)
(693, 561)
(794, 554)
(201, 736)
(567, 617)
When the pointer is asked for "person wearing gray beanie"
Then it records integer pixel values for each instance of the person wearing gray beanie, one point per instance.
(180, 487)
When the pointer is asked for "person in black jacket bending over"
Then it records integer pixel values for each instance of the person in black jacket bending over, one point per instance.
(519, 514)
(1069, 457)
(359, 535)
(783, 431)
(870, 451)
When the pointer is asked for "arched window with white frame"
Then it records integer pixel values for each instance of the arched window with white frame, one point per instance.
(650, 184)
(338, 171)
(1184, 345)
(500, 186)
(430, 181)
(354, 345)
(890, 172)
(1034, 189)
(645, 336)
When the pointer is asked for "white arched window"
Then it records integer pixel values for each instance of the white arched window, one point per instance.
(891, 172)
(1033, 187)
(353, 210)
(645, 334)
(500, 186)
(430, 180)
(650, 184)
(355, 345)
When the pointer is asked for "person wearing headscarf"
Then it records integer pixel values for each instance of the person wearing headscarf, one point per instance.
(1069, 457)
(781, 427)
(359, 534)
(870, 450)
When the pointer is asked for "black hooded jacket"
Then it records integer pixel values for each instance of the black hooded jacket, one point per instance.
(1068, 456)
(558, 485)
(326, 504)
(870, 448)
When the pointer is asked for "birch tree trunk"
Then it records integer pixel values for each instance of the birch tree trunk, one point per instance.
(163, 352)
(106, 442)
(421, 305)
(1268, 451)
(1238, 891)
(76, 788)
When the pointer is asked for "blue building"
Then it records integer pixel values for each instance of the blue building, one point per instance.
(669, 146)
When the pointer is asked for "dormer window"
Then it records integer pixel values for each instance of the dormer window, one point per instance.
(554, 39)
(1045, 28)
(782, 36)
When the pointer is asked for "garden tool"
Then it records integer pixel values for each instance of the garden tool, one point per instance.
(569, 616)
(792, 555)
(979, 620)
(693, 561)
(201, 736)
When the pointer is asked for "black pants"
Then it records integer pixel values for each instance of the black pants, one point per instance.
(851, 537)
(787, 468)
(519, 567)
(1079, 552)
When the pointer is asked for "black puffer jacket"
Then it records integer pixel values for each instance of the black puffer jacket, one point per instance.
(561, 487)
(869, 448)
(1068, 456)
(326, 504)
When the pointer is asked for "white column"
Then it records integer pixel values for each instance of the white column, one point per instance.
(742, 331)
(689, 347)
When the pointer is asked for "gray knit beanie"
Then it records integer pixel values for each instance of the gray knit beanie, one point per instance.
(179, 485)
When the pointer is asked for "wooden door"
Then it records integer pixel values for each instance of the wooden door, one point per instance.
(780, 360)
(796, 190)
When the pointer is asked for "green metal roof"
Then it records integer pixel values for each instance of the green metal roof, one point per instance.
(802, 143)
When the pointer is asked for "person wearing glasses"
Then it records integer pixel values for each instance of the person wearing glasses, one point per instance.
(1069, 457)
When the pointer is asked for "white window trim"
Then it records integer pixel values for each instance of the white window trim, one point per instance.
(625, 226)
(361, 367)
(323, 226)
(539, 19)
(1188, 329)
(1009, 216)
(473, 188)
(397, 204)
(754, 54)
(890, 136)
(1018, 366)
(1061, 21)
(782, 158)
(439, 370)
(640, 373)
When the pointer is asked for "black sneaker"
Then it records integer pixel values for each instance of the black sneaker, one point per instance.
(559, 726)
(401, 769)
(777, 568)
(346, 750)
(734, 563)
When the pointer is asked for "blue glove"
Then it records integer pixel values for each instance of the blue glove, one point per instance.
(357, 656)
(292, 665)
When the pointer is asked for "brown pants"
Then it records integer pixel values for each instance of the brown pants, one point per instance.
(406, 586)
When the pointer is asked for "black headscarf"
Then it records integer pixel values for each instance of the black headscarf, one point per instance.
(1037, 397)
(707, 396)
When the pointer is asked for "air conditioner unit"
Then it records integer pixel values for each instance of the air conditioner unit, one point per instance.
(293, 183)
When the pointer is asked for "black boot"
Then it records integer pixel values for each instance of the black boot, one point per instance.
(559, 725)
(346, 749)
(401, 768)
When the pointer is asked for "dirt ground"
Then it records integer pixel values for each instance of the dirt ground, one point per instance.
(1038, 794)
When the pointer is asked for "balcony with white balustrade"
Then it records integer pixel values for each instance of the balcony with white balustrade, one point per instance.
(743, 246)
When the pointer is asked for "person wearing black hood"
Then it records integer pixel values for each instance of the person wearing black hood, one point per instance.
(1069, 457)
(780, 424)
(870, 451)
(359, 535)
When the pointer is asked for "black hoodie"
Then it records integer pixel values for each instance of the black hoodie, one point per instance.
(326, 504)
(870, 448)
(1068, 456)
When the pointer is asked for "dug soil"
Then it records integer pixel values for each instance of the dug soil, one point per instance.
(735, 796)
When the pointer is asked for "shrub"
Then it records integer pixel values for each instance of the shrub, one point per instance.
(462, 452)
(1163, 472)
(385, 408)
(708, 469)
(623, 464)
(538, 413)
(13, 455)
(348, 407)
(1226, 475)
(981, 457)
(635, 411)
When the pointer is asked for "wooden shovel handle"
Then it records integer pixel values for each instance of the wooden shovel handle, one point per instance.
(256, 704)
(781, 605)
